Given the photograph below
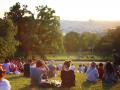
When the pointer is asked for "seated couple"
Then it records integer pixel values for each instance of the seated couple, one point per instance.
(40, 74)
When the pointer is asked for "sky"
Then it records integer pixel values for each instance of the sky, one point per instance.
(81, 10)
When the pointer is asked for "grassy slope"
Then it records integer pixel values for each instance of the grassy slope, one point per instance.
(22, 83)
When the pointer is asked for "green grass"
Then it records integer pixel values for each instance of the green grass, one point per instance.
(22, 83)
(78, 57)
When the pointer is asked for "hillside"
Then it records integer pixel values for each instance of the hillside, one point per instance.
(87, 26)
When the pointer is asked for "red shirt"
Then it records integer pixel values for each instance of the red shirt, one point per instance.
(101, 72)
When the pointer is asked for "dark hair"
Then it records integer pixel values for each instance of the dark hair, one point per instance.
(2, 72)
(67, 63)
(6, 60)
(100, 64)
(39, 63)
(109, 68)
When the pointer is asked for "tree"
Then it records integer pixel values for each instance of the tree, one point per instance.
(72, 42)
(47, 36)
(105, 43)
(37, 36)
(8, 42)
(116, 38)
(21, 18)
(89, 40)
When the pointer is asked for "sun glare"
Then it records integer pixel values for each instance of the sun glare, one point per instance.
(73, 9)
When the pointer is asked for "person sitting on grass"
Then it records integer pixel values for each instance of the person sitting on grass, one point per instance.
(109, 74)
(100, 71)
(6, 66)
(72, 67)
(38, 73)
(52, 69)
(92, 73)
(4, 83)
(67, 75)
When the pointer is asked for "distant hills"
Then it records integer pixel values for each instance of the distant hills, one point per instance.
(88, 26)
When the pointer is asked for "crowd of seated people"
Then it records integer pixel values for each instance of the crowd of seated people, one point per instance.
(13, 66)
(40, 71)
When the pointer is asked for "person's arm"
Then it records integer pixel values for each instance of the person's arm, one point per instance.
(97, 74)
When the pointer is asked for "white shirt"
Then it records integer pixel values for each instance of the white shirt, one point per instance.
(60, 66)
(92, 74)
(5, 85)
(83, 69)
(72, 68)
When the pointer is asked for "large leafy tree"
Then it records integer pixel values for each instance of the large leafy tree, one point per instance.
(8, 42)
(47, 35)
(37, 36)
(21, 18)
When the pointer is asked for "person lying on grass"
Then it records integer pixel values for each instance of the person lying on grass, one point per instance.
(92, 73)
(4, 83)
(67, 75)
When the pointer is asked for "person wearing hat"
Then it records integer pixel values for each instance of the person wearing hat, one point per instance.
(4, 83)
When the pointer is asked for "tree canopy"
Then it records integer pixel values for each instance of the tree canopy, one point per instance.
(41, 35)
(8, 42)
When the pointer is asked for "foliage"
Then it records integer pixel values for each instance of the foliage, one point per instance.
(72, 42)
(37, 36)
(109, 41)
(89, 40)
(7, 38)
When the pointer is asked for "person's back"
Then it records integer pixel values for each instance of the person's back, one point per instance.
(92, 73)
(38, 73)
(4, 84)
(110, 74)
(67, 76)
(52, 69)
(6, 66)
(36, 76)
(26, 70)
(101, 71)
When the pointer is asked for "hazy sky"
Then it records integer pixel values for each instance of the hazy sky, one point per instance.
(73, 9)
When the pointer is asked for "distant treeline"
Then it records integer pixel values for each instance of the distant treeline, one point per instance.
(93, 42)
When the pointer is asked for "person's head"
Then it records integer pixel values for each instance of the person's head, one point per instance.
(39, 63)
(109, 67)
(6, 61)
(93, 64)
(80, 65)
(100, 65)
(2, 72)
(114, 51)
(66, 65)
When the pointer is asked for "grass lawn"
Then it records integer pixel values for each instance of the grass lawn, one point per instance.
(22, 83)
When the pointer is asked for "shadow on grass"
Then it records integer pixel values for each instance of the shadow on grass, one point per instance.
(106, 86)
(86, 85)
(27, 87)
(15, 77)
